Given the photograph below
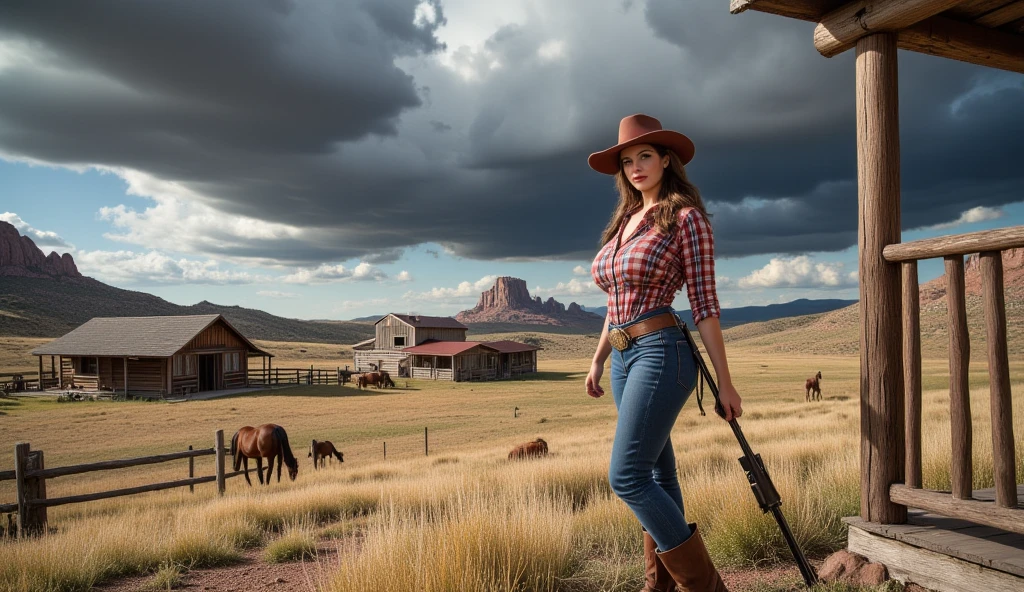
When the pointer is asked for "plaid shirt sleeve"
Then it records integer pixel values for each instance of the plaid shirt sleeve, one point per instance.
(697, 251)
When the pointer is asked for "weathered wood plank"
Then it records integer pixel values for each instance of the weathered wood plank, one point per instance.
(6, 508)
(805, 10)
(958, 244)
(7, 475)
(962, 473)
(933, 570)
(90, 497)
(1000, 401)
(965, 42)
(881, 335)
(1002, 16)
(118, 464)
(978, 512)
(842, 27)
(912, 372)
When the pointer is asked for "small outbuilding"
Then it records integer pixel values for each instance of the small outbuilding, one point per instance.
(153, 356)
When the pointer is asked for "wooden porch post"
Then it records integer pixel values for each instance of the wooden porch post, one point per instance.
(40, 385)
(125, 376)
(881, 335)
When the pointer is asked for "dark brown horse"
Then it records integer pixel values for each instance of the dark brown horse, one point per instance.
(320, 452)
(813, 386)
(266, 441)
(536, 448)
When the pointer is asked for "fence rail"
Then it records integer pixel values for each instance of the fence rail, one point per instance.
(276, 376)
(959, 503)
(31, 476)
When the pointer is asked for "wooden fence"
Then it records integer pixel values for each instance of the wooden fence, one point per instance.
(1003, 513)
(31, 476)
(275, 376)
(28, 381)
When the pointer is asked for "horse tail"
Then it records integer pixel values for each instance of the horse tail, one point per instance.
(282, 439)
(235, 453)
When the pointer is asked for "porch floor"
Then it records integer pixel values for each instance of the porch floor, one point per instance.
(944, 554)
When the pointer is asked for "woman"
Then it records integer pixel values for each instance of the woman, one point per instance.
(657, 240)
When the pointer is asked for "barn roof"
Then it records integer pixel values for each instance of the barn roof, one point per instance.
(444, 348)
(419, 321)
(511, 347)
(154, 337)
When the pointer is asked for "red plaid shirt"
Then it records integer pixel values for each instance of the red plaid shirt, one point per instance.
(650, 267)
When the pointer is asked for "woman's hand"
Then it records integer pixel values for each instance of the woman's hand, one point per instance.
(594, 380)
(731, 403)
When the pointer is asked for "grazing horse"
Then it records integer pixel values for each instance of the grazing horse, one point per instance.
(266, 441)
(536, 448)
(320, 452)
(813, 386)
(377, 379)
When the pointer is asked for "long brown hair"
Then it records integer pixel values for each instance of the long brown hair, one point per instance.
(676, 193)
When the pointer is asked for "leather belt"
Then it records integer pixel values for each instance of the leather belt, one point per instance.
(621, 339)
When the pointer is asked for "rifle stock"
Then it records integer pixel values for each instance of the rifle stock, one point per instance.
(760, 482)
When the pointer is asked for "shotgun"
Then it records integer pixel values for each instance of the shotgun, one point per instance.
(760, 483)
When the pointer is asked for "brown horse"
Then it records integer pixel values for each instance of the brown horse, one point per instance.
(377, 379)
(536, 448)
(320, 452)
(813, 387)
(266, 441)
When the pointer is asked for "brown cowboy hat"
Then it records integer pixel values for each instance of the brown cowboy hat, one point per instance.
(640, 129)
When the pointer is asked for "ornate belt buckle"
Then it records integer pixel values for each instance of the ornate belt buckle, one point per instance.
(618, 338)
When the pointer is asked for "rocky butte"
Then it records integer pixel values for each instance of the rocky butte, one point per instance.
(20, 257)
(509, 301)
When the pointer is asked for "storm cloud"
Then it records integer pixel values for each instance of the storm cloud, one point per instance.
(315, 132)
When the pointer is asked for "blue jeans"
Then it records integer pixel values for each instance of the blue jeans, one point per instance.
(651, 380)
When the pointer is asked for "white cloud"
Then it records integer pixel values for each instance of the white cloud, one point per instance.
(404, 276)
(156, 267)
(574, 287)
(580, 270)
(463, 290)
(978, 214)
(551, 50)
(327, 273)
(799, 272)
(277, 295)
(44, 239)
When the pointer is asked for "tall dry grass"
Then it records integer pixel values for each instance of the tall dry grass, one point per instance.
(468, 519)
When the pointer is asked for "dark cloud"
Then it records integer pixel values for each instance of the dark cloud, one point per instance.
(326, 116)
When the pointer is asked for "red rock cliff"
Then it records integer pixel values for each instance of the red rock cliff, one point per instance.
(19, 256)
(509, 301)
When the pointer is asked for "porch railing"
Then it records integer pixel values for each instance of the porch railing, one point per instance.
(959, 503)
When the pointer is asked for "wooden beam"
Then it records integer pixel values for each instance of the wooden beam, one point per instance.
(968, 10)
(1001, 16)
(117, 464)
(941, 502)
(912, 372)
(1000, 401)
(965, 42)
(962, 473)
(90, 497)
(805, 10)
(841, 28)
(881, 334)
(957, 244)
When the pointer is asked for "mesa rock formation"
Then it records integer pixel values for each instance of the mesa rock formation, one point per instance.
(509, 301)
(20, 257)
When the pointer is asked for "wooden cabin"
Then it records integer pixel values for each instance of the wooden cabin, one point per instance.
(964, 539)
(152, 356)
(436, 347)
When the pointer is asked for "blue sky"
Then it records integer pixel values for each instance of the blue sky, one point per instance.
(451, 149)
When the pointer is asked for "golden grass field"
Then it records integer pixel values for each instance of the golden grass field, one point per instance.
(462, 518)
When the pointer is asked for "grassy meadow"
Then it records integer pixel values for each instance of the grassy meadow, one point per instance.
(462, 517)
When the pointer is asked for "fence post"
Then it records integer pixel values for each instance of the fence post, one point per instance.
(30, 520)
(191, 470)
(385, 450)
(426, 451)
(219, 446)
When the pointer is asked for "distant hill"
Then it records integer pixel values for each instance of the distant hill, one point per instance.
(752, 314)
(47, 297)
(838, 332)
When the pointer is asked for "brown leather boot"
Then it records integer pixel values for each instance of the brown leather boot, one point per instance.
(656, 577)
(691, 567)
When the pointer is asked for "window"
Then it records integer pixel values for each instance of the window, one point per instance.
(231, 362)
(400, 341)
(88, 366)
(184, 365)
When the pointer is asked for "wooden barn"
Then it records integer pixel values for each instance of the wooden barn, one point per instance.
(436, 347)
(152, 356)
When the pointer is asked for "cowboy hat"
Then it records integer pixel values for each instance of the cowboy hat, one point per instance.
(640, 129)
